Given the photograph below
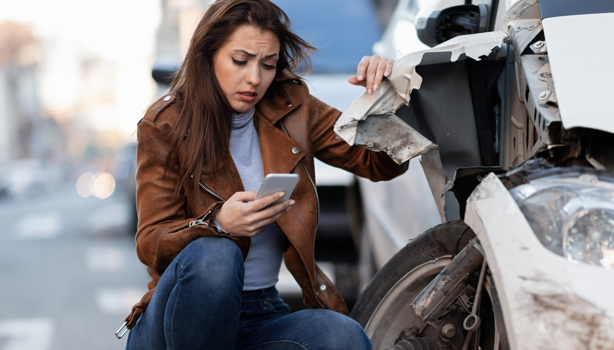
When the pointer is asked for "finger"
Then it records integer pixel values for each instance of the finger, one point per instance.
(243, 196)
(272, 219)
(361, 71)
(371, 70)
(389, 66)
(379, 75)
(256, 222)
(272, 210)
(354, 81)
(264, 202)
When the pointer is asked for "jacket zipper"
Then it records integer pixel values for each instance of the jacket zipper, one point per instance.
(313, 184)
(202, 185)
(308, 175)
(202, 221)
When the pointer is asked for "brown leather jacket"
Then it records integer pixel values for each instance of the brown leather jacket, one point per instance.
(292, 132)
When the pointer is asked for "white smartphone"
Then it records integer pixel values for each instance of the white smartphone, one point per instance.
(276, 183)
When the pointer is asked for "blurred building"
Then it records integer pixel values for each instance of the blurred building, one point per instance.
(92, 127)
(29, 142)
(24, 132)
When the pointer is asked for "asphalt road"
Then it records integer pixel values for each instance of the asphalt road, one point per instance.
(69, 274)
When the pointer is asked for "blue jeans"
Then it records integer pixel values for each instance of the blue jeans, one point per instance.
(199, 304)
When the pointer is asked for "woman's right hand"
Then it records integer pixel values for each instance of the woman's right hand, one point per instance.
(243, 219)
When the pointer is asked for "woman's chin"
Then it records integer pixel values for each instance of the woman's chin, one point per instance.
(242, 107)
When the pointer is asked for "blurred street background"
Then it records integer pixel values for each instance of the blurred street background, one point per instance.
(75, 78)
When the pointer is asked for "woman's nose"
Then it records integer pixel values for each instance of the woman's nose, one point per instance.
(253, 75)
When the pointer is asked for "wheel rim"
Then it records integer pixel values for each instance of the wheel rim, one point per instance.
(393, 314)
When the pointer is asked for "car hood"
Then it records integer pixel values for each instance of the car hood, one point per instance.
(579, 51)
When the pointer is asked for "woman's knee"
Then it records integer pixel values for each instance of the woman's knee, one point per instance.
(212, 261)
(337, 331)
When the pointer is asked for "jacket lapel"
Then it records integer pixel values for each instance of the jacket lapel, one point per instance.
(277, 148)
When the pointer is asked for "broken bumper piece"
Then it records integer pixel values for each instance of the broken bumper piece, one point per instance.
(396, 91)
(370, 121)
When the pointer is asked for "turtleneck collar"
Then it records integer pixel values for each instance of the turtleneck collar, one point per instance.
(240, 120)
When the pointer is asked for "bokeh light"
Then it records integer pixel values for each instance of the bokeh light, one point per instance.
(102, 185)
(83, 185)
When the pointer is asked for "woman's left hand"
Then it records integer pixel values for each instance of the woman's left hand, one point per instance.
(371, 71)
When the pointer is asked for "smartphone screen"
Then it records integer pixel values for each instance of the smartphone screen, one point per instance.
(278, 183)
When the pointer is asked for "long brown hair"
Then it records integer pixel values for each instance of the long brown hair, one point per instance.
(203, 129)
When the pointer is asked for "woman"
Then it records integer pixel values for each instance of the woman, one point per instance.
(237, 112)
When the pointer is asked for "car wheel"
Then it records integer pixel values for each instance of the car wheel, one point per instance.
(383, 308)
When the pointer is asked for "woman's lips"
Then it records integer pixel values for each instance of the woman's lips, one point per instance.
(248, 96)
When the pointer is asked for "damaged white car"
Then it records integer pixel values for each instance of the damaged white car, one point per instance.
(511, 116)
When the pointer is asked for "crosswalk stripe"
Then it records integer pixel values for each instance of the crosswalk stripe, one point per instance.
(26, 334)
(110, 216)
(39, 226)
(104, 259)
(118, 301)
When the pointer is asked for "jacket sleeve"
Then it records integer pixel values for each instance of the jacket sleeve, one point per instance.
(163, 226)
(375, 166)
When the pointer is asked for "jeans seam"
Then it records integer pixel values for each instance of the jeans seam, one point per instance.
(276, 341)
(238, 321)
(178, 286)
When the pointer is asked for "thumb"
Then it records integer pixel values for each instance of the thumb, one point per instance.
(354, 81)
(244, 196)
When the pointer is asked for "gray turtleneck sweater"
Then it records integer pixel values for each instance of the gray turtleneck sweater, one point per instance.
(264, 260)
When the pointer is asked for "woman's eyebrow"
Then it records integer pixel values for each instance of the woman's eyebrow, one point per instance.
(254, 55)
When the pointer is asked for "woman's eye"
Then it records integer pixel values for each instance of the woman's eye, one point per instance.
(268, 66)
(239, 63)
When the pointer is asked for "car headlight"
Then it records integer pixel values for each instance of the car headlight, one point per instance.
(572, 215)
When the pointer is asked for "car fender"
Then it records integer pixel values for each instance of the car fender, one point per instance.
(547, 301)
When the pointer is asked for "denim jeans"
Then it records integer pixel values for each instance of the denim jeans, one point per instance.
(199, 304)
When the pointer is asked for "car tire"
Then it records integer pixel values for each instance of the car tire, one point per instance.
(383, 307)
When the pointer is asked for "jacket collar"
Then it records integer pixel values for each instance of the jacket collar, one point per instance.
(277, 148)
(274, 108)
(280, 152)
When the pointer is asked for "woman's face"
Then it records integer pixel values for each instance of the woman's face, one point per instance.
(245, 66)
